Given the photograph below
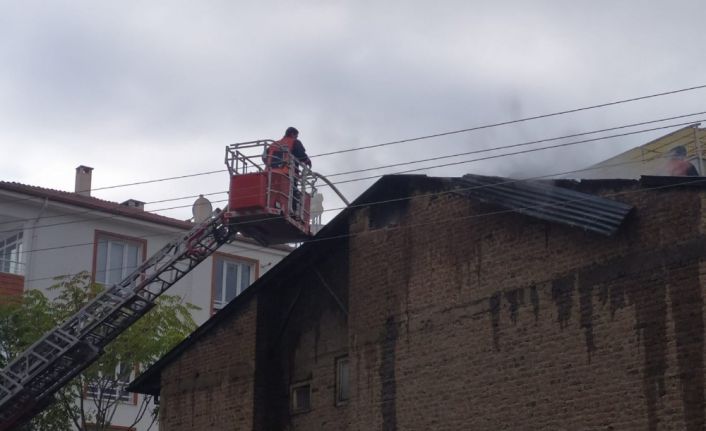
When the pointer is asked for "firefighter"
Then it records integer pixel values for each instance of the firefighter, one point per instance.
(276, 158)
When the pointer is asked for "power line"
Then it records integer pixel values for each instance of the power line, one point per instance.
(234, 249)
(90, 211)
(366, 204)
(444, 192)
(472, 216)
(522, 144)
(131, 184)
(519, 120)
(485, 126)
(430, 167)
(506, 211)
(514, 153)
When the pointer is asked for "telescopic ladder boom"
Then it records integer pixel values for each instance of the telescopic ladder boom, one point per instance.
(28, 383)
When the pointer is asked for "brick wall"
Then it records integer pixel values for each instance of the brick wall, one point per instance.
(303, 326)
(11, 285)
(505, 322)
(210, 386)
(455, 320)
(239, 376)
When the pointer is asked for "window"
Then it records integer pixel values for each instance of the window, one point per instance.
(116, 258)
(112, 386)
(301, 397)
(230, 277)
(343, 389)
(11, 253)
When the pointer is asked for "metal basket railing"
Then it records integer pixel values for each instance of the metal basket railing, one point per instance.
(252, 157)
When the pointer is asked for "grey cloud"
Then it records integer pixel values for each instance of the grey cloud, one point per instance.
(118, 85)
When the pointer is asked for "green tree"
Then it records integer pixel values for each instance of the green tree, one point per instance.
(93, 397)
(22, 322)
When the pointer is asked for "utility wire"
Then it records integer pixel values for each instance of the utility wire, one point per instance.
(519, 120)
(485, 126)
(232, 249)
(523, 144)
(506, 211)
(365, 204)
(472, 216)
(91, 211)
(411, 162)
(509, 154)
(456, 190)
(104, 217)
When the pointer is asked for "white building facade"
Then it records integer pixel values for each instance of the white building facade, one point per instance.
(45, 233)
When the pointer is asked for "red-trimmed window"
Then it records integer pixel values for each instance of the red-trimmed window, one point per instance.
(116, 256)
(231, 276)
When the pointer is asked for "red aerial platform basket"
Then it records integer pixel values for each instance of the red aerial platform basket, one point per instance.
(271, 205)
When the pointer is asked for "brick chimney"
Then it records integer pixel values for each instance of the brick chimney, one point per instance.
(83, 180)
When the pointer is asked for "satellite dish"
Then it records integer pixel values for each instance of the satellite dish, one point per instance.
(202, 209)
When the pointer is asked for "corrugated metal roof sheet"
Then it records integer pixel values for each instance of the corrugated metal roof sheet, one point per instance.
(548, 202)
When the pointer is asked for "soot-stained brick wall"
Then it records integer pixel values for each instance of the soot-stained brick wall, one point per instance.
(453, 319)
(291, 331)
(211, 385)
(302, 332)
(465, 321)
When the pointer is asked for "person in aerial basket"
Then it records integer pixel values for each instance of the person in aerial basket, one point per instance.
(276, 157)
(277, 160)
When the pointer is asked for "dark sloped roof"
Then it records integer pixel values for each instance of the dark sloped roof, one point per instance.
(546, 201)
(389, 188)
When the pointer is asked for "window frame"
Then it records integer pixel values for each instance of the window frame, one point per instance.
(142, 249)
(254, 275)
(101, 234)
(16, 249)
(131, 398)
(292, 388)
(338, 401)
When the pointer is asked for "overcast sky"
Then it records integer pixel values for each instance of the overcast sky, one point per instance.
(146, 90)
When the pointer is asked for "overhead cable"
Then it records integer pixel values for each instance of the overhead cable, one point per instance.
(480, 127)
(429, 159)
(519, 120)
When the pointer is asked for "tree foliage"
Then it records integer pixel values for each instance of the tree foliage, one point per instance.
(91, 398)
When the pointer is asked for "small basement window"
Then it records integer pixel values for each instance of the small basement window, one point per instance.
(301, 397)
(343, 389)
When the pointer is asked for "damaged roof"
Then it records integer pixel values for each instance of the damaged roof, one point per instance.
(549, 201)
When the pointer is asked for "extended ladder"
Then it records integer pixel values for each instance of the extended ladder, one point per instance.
(28, 383)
